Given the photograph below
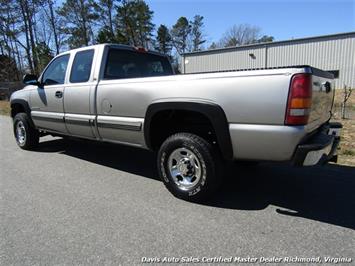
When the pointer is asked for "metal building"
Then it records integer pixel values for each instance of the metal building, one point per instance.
(334, 53)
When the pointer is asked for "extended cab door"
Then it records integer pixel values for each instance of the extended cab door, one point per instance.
(47, 100)
(79, 95)
(120, 116)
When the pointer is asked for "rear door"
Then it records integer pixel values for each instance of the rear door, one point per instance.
(79, 95)
(47, 100)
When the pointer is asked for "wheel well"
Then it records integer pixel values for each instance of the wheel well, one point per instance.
(17, 108)
(167, 122)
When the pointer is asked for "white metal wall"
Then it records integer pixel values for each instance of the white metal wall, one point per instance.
(328, 53)
(221, 61)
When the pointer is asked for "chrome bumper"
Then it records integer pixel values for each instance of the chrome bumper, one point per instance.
(320, 148)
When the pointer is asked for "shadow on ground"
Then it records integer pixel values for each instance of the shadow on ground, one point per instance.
(325, 194)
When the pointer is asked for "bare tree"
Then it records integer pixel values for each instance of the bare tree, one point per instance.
(28, 9)
(240, 35)
(346, 95)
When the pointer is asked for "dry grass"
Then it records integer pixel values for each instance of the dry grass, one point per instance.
(350, 105)
(347, 143)
(346, 150)
(4, 108)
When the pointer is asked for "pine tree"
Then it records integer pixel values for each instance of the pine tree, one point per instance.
(266, 38)
(44, 55)
(9, 33)
(105, 35)
(164, 41)
(180, 33)
(197, 37)
(134, 21)
(28, 9)
(80, 16)
(213, 46)
(107, 13)
(8, 68)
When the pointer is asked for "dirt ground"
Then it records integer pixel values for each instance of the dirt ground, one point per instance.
(4, 108)
(347, 145)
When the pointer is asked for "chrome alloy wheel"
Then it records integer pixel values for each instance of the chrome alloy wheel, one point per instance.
(185, 168)
(20, 133)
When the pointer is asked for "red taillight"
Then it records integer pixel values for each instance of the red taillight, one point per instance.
(299, 100)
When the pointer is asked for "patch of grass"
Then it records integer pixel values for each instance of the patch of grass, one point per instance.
(350, 105)
(347, 143)
(348, 152)
(5, 108)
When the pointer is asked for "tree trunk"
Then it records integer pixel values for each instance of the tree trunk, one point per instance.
(342, 110)
(19, 60)
(54, 28)
(32, 40)
(84, 25)
(110, 20)
(346, 95)
(27, 48)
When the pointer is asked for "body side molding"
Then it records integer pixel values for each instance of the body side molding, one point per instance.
(116, 122)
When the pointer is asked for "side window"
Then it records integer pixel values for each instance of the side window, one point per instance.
(81, 68)
(122, 64)
(55, 72)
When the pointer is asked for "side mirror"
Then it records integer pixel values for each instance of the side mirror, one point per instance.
(30, 79)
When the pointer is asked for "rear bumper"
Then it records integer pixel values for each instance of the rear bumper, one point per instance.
(320, 148)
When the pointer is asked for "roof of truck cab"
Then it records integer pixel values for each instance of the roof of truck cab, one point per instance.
(113, 45)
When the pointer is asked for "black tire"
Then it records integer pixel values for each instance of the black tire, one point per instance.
(207, 157)
(31, 138)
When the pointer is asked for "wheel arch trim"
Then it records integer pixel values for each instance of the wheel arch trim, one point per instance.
(212, 111)
(25, 106)
(23, 103)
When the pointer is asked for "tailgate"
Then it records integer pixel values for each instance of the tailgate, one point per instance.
(322, 98)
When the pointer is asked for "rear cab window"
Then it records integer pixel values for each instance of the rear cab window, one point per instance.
(81, 68)
(123, 64)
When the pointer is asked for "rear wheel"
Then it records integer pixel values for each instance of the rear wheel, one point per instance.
(27, 137)
(189, 166)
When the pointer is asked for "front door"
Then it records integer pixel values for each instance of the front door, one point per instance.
(79, 92)
(47, 109)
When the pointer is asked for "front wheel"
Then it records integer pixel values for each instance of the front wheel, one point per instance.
(27, 137)
(189, 166)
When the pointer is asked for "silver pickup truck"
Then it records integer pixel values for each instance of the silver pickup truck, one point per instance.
(130, 96)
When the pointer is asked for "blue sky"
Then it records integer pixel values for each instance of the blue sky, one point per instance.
(281, 19)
